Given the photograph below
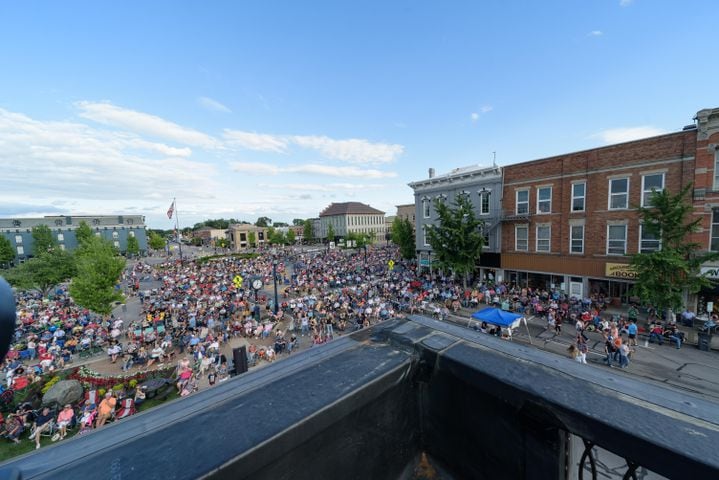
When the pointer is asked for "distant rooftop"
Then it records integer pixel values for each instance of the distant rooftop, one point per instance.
(349, 208)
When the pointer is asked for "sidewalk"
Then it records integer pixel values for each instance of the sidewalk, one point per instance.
(687, 369)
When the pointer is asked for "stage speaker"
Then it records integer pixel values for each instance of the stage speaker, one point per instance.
(239, 358)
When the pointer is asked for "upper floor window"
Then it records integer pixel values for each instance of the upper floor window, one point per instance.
(20, 250)
(616, 239)
(522, 202)
(651, 183)
(521, 237)
(579, 194)
(60, 237)
(714, 246)
(115, 234)
(716, 170)
(18, 239)
(544, 236)
(484, 202)
(425, 207)
(544, 200)
(131, 233)
(618, 193)
(576, 239)
(648, 242)
(425, 240)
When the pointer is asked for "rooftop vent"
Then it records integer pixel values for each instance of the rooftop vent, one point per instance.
(431, 173)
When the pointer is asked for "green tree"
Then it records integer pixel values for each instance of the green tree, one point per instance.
(98, 271)
(330, 233)
(43, 272)
(665, 275)
(263, 222)
(298, 222)
(83, 233)
(307, 233)
(7, 254)
(280, 224)
(456, 239)
(42, 240)
(291, 237)
(133, 246)
(156, 242)
(252, 239)
(222, 243)
(403, 236)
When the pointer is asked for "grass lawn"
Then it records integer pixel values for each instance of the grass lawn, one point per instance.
(9, 449)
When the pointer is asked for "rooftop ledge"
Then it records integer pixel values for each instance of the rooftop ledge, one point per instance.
(373, 403)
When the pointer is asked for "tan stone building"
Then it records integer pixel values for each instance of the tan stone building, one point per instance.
(239, 235)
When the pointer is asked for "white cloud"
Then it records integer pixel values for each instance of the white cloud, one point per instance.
(595, 33)
(619, 135)
(475, 116)
(255, 141)
(352, 150)
(212, 105)
(482, 110)
(625, 3)
(321, 187)
(92, 170)
(255, 168)
(143, 123)
(486, 108)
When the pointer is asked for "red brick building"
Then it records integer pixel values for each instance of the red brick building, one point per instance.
(706, 196)
(570, 221)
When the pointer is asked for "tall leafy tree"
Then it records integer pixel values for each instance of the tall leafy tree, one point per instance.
(98, 271)
(456, 238)
(330, 233)
(42, 239)
(666, 275)
(291, 237)
(252, 239)
(43, 272)
(133, 246)
(298, 222)
(263, 222)
(307, 233)
(83, 233)
(156, 242)
(7, 254)
(403, 237)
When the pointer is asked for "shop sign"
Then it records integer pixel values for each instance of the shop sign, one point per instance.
(620, 270)
(710, 272)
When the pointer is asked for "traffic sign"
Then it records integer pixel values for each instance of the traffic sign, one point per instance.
(390, 264)
(237, 281)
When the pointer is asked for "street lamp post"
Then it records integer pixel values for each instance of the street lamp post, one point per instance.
(274, 278)
(365, 258)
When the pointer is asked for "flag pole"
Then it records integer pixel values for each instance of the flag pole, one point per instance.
(177, 228)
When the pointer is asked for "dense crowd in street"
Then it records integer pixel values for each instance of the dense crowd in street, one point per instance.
(197, 308)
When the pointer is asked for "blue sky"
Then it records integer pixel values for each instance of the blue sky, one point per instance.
(268, 108)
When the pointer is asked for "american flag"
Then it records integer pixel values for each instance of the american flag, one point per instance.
(171, 210)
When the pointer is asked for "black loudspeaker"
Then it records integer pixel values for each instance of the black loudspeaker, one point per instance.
(7, 317)
(239, 358)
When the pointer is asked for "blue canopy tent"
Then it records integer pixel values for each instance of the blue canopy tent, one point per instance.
(499, 317)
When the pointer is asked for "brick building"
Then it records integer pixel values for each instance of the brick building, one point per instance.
(706, 197)
(571, 220)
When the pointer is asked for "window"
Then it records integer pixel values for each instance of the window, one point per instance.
(484, 202)
(425, 207)
(576, 239)
(62, 246)
(115, 234)
(18, 239)
(648, 242)
(131, 233)
(714, 247)
(97, 234)
(544, 200)
(716, 170)
(521, 238)
(20, 250)
(544, 234)
(651, 183)
(522, 202)
(60, 237)
(618, 193)
(116, 243)
(616, 239)
(424, 236)
(579, 192)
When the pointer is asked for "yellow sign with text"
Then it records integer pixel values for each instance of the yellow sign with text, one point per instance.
(620, 270)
